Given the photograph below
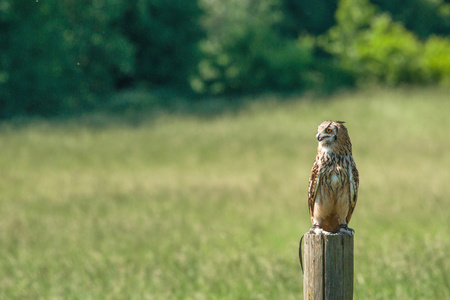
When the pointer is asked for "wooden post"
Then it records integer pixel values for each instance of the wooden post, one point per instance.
(328, 267)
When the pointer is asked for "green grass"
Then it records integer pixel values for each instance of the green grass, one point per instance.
(188, 207)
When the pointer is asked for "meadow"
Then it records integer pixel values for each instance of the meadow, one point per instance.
(186, 206)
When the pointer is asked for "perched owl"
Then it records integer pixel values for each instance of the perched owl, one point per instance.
(333, 184)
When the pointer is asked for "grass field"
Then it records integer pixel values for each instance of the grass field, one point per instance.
(190, 207)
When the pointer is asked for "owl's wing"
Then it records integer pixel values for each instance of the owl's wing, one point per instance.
(313, 186)
(354, 184)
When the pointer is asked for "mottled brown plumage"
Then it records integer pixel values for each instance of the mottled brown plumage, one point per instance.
(334, 180)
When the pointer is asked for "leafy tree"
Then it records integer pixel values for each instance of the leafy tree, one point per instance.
(244, 52)
(166, 34)
(388, 53)
(423, 17)
(372, 46)
(58, 56)
(307, 17)
(437, 60)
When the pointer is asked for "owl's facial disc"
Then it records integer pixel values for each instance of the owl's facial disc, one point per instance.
(326, 138)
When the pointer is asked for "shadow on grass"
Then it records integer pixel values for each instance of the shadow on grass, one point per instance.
(136, 107)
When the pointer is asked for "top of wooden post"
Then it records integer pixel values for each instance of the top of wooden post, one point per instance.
(328, 267)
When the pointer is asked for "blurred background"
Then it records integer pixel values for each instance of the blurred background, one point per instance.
(161, 149)
(60, 57)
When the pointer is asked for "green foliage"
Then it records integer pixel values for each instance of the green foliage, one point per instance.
(376, 49)
(423, 17)
(389, 53)
(59, 56)
(70, 56)
(243, 52)
(66, 57)
(307, 17)
(437, 59)
(166, 34)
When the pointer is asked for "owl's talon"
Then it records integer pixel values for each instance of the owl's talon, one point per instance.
(317, 229)
(345, 230)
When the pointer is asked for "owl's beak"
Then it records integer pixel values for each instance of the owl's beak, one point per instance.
(318, 137)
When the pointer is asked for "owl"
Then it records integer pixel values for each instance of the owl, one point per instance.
(334, 181)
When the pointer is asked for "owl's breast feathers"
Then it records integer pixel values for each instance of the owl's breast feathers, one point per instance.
(333, 188)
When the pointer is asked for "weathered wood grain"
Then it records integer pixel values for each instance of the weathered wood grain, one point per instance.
(328, 267)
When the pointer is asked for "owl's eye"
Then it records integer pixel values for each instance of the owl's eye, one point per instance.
(328, 130)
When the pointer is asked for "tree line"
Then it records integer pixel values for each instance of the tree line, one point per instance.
(68, 56)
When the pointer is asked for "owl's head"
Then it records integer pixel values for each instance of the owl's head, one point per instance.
(333, 134)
